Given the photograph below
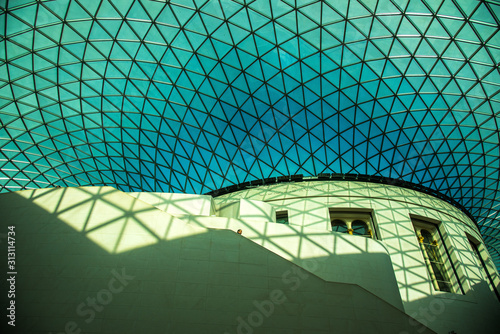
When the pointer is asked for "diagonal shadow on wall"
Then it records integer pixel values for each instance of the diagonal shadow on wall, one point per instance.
(176, 279)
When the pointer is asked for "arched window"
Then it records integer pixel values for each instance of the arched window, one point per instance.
(476, 247)
(434, 261)
(339, 226)
(359, 227)
(359, 223)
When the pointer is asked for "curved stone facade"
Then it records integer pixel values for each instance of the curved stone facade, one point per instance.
(396, 214)
(98, 260)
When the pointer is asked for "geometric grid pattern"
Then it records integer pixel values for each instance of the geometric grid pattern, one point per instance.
(197, 95)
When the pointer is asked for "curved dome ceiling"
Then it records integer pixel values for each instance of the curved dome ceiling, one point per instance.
(190, 96)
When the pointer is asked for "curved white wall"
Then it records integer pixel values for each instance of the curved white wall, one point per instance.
(191, 274)
(392, 209)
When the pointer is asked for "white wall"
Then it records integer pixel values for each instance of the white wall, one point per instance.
(179, 204)
(70, 239)
(392, 207)
(96, 260)
(333, 257)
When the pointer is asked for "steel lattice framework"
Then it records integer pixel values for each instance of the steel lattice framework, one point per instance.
(191, 96)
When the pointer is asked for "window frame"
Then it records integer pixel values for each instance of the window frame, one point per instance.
(478, 249)
(351, 215)
(279, 214)
(448, 268)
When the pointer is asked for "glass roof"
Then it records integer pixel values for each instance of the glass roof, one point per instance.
(191, 96)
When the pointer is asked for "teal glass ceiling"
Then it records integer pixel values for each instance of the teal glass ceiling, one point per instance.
(190, 96)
